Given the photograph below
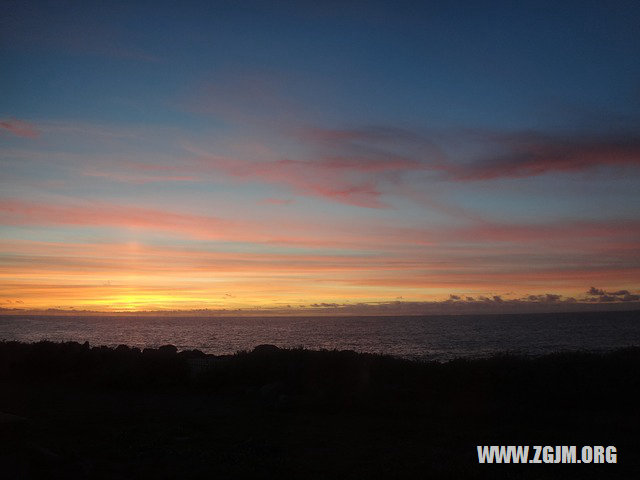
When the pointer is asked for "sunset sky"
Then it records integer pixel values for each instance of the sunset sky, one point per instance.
(319, 155)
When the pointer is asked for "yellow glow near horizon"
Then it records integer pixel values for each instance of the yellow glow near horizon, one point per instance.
(140, 277)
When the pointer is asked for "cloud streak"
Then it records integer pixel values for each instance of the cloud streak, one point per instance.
(19, 128)
(335, 179)
(19, 212)
(527, 155)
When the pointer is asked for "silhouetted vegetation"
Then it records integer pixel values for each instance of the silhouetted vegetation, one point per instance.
(272, 413)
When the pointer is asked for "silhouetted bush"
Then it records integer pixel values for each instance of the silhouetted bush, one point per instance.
(340, 379)
(168, 414)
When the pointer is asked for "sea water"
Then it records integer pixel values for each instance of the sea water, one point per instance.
(415, 337)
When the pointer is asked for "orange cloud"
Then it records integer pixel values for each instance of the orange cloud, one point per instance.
(107, 274)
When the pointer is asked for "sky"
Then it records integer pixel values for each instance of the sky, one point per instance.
(358, 157)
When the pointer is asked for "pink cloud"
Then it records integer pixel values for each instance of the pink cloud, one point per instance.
(351, 166)
(516, 155)
(20, 128)
(527, 155)
(337, 181)
(384, 153)
(613, 239)
(339, 171)
(300, 232)
(18, 212)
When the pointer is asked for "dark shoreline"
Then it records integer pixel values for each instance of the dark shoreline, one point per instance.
(77, 411)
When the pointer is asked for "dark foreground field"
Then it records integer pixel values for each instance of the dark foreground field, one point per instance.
(71, 411)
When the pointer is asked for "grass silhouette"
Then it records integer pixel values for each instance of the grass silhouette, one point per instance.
(120, 412)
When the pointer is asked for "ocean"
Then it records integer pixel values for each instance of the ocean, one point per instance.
(437, 338)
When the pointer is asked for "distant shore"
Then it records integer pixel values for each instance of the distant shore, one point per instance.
(74, 411)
